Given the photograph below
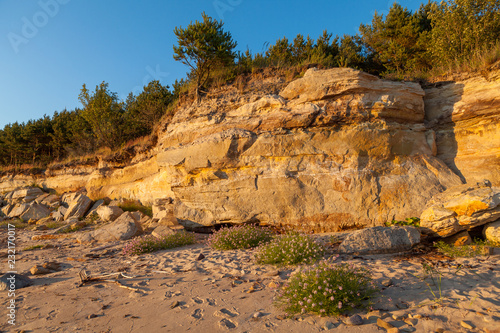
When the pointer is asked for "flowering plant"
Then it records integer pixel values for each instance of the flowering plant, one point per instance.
(290, 249)
(239, 237)
(150, 243)
(326, 289)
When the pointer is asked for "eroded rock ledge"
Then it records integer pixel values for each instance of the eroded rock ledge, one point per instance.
(334, 149)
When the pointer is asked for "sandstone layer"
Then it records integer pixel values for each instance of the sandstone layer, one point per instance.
(332, 150)
(465, 116)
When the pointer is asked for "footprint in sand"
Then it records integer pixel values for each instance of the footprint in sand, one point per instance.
(227, 324)
(211, 302)
(225, 313)
(197, 300)
(197, 314)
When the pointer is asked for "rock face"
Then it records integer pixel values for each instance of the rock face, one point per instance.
(334, 149)
(461, 208)
(381, 240)
(330, 143)
(465, 117)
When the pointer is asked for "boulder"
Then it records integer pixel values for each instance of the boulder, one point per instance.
(58, 216)
(381, 240)
(162, 231)
(109, 213)
(51, 200)
(123, 228)
(94, 207)
(27, 194)
(78, 207)
(18, 210)
(7, 208)
(19, 281)
(491, 231)
(461, 208)
(35, 212)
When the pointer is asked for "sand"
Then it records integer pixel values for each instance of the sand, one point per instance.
(176, 291)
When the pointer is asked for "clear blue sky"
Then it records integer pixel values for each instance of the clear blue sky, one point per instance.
(49, 48)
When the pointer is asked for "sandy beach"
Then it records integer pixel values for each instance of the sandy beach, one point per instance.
(197, 289)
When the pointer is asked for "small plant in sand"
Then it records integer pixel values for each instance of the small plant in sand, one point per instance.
(34, 247)
(239, 237)
(290, 249)
(479, 248)
(326, 289)
(150, 243)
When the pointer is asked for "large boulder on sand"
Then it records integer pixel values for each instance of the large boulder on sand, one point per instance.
(123, 228)
(381, 240)
(460, 208)
(78, 206)
(35, 212)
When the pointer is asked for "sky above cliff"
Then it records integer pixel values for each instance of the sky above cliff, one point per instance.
(49, 48)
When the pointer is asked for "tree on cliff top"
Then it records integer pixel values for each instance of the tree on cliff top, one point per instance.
(202, 46)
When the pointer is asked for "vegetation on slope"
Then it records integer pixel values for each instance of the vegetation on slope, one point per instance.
(439, 38)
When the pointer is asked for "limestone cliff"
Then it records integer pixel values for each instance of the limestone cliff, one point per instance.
(334, 149)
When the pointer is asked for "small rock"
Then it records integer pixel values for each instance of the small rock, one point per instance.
(201, 256)
(393, 330)
(174, 304)
(384, 324)
(411, 322)
(93, 315)
(39, 270)
(354, 320)
(416, 316)
(257, 315)
(386, 282)
(328, 325)
(273, 285)
(466, 325)
(272, 273)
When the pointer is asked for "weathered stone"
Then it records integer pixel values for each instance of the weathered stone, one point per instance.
(461, 208)
(18, 210)
(162, 231)
(45, 268)
(27, 194)
(51, 200)
(460, 239)
(95, 206)
(491, 231)
(35, 212)
(380, 240)
(109, 213)
(7, 208)
(78, 207)
(58, 216)
(354, 320)
(123, 228)
(18, 280)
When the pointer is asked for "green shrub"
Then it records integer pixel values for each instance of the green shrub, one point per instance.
(150, 243)
(290, 249)
(239, 237)
(326, 289)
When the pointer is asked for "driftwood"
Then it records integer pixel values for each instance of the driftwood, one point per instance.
(86, 278)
